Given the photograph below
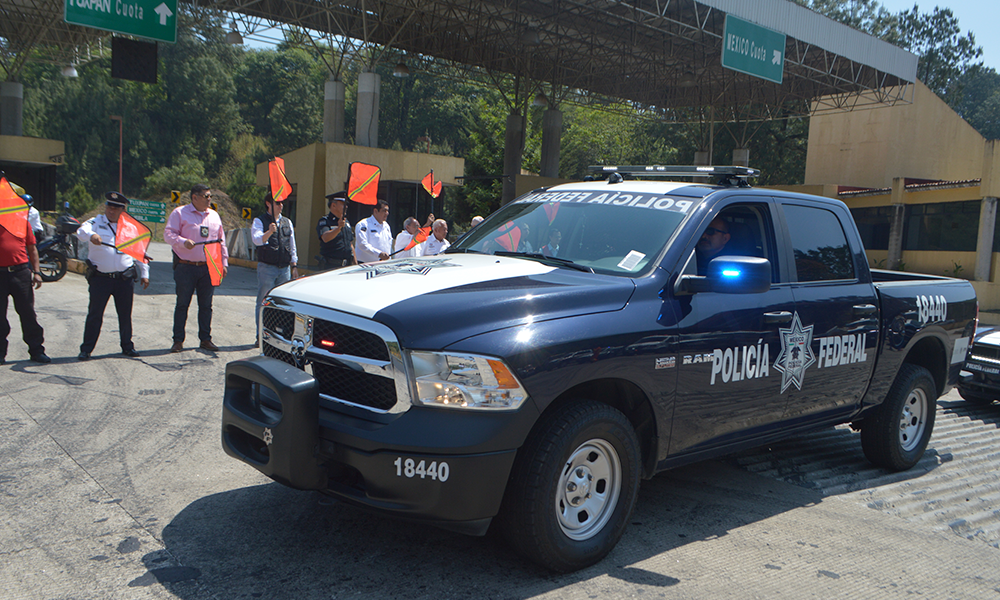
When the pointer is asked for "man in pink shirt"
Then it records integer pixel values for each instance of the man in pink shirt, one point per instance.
(188, 229)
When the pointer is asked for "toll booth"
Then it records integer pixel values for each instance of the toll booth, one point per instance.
(32, 164)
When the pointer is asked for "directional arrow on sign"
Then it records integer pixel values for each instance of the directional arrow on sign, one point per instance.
(164, 11)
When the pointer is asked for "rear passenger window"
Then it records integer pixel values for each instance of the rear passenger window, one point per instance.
(819, 243)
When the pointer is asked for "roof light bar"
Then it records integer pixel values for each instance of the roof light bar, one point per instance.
(676, 170)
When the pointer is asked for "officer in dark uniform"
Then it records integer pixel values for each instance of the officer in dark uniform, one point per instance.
(111, 274)
(336, 237)
(277, 256)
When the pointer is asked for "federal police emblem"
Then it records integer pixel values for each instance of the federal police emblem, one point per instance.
(796, 353)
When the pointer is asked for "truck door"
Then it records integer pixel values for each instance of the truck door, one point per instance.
(835, 314)
(726, 387)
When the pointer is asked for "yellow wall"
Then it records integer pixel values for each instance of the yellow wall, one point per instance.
(16, 148)
(867, 148)
(320, 169)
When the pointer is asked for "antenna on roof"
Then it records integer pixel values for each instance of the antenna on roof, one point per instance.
(729, 176)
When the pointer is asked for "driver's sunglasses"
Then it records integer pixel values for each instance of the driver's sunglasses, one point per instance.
(713, 231)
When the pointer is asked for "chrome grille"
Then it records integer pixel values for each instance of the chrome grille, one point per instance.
(355, 387)
(271, 352)
(281, 322)
(355, 361)
(985, 353)
(348, 340)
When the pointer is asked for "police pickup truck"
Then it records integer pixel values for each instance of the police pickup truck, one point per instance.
(582, 339)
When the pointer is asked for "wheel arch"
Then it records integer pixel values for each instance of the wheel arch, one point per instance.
(624, 396)
(929, 353)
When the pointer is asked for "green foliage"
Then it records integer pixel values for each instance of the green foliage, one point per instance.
(956, 271)
(945, 52)
(980, 103)
(80, 201)
(184, 173)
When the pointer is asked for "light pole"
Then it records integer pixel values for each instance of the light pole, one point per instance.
(119, 119)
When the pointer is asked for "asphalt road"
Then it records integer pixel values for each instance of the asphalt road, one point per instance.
(113, 484)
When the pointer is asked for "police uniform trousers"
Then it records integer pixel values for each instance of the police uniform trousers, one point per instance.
(103, 287)
(188, 280)
(17, 285)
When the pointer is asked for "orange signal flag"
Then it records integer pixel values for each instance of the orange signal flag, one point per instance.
(280, 188)
(510, 237)
(13, 210)
(362, 183)
(213, 255)
(434, 189)
(551, 209)
(421, 236)
(132, 237)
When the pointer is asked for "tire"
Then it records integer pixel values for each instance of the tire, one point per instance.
(52, 265)
(974, 397)
(896, 435)
(573, 487)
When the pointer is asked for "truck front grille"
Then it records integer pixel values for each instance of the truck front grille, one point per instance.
(354, 360)
(348, 340)
(363, 389)
(985, 353)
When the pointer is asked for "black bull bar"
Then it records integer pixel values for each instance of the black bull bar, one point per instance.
(282, 444)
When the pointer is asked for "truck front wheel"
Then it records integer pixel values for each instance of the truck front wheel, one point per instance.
(573, 487)
(895, 436)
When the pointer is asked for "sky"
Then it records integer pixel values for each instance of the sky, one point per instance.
(981, 17)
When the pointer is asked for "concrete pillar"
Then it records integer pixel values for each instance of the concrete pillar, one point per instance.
(512, 144)
(366, 127)
(898, 217)
(11, 108)
(333, 112)
(551, 138)
(984, 243)
(741, 157)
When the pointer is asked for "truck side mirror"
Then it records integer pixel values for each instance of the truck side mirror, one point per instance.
(729, 275)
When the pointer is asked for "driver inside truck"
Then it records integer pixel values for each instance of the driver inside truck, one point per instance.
(712, 241)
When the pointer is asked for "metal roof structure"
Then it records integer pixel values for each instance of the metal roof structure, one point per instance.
(660, 55)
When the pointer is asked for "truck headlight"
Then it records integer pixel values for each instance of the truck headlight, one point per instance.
(465, 381)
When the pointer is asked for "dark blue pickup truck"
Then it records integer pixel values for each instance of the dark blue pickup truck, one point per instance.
(586, 337)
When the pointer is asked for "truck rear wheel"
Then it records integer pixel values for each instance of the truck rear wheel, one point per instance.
(896, 435)
(573, 487)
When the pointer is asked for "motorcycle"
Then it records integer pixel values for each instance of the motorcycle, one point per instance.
(54, 250)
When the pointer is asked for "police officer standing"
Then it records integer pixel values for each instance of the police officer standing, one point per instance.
(336, 238)
(274, 237)
(374, 238)
(18, 276)
(113, 274)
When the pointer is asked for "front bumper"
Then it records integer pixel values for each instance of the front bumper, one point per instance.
(981, 378)
(442, 466)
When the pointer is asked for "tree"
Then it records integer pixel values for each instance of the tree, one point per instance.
(945, 53)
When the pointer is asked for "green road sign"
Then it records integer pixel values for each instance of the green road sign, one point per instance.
(149, 212)
(752, 49)
(152, 19)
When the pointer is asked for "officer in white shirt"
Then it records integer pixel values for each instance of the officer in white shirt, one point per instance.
(113, 274)
(410, 228)
(34, 218)
(373, 238)
(437, 243)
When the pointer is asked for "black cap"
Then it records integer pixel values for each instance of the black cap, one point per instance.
(342, 196)
(116, 199)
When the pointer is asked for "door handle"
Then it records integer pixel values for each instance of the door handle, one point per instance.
(863, 309)
(778, 317)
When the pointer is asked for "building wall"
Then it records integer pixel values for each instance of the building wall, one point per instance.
(322, 168)
(868, 148)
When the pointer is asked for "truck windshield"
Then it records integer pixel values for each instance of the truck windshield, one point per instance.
(607, 238)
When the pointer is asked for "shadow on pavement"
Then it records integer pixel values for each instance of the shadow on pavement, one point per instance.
(270, 541)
